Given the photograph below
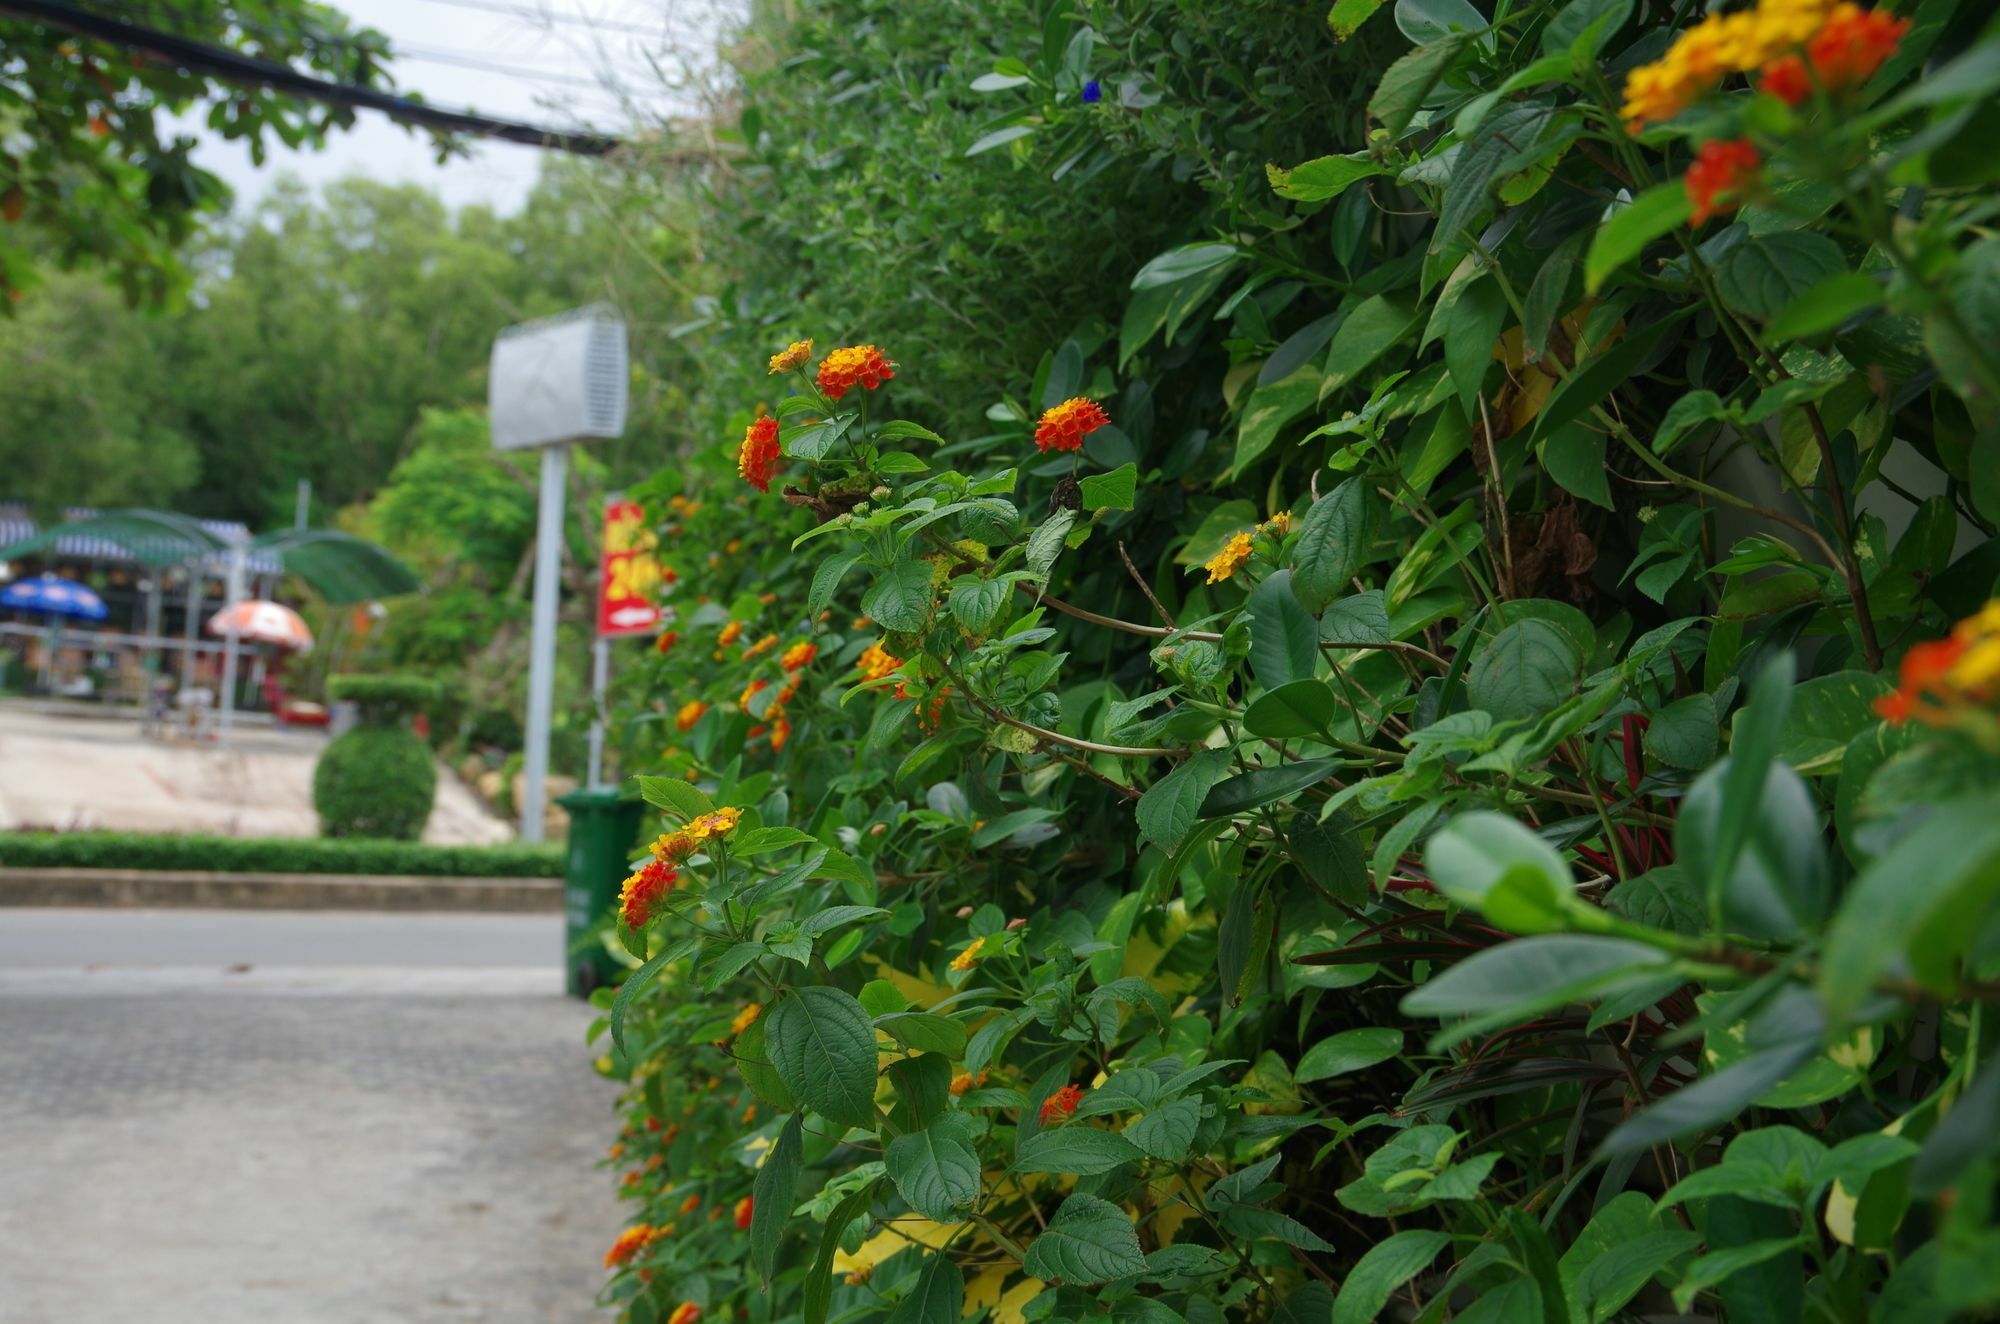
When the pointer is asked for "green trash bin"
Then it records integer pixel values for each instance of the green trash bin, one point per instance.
(602, 827)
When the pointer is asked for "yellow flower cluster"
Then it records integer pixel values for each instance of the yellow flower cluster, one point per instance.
(1229, 560)
(967, 958)
(1711, 50)
(746, 1018)
(679, 845)
(791, 356)
(876, 662)
(761, 647)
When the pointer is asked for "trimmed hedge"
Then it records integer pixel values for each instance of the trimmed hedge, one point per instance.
(121, 850)
(375, 781)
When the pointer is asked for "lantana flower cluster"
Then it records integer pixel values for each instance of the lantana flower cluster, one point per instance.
(1954, 681)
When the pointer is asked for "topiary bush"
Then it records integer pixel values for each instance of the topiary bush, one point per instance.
(377, 780)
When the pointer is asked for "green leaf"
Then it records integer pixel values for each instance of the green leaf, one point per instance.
(815, 441)
(1111, 491)
(1765, 277)
(1388, 1264)
(1611, 1280)
(1347, 16)
(1262, 786)
(771, 1197)
(635, 983)
(817, 1293)
(900, 597)
(901, 429)
(975, 602)
(999, 138)
(1168, 1131)
(1409, 82)
(1962, 1141)
(1088, 1241)
(1324, 177)
(1472, 326)
(1826, 713)
(936, 1169)
(1495, 865)
(1710, 1100)
(1370, 330)
(1362, 618)
(1301, 708)
(1332, 544)
(1634, 225)
(1685, 734)
(1171, 805)
(1921, 900)
(938, 1296)
(900, 462)
(1777, 885)
(1527, 670)
(823, 1045)
(1520, 976)
(1046, 543)
(1720, 1265)
(1350, 1050)
(1270, 408)
(1574, 457)
(762, 841)
(676, 795)
(1083, 1150)
(924, 1032)
(826, 580)
(1823, 308)
(1284, 640)
(1178, 264)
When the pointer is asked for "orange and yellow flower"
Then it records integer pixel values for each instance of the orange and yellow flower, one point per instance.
(746, 1209)
(730, 634)
(799, 655)
(1060, 1105)
(1954, 681)
(964, 1081)
(751, 691)
(966, 959)
(1722, 173)
(781, 731)
(758, 457)
(1229, 560)
(1843, 54)
(746, 1018)
(630, 1242)
(690, 713)
(854, 365)
(791, 356)
(692, 1203)
(877, 663)
(1064, 427)
(665, 643)
(720, 823)
(687, 1312)
(1713, 49)
(761, 647)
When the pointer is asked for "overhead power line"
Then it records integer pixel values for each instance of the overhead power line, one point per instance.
(251, 71)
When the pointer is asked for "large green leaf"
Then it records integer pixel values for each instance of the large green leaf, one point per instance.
(1494, 864)
(937, 1297)
(1284, 640)
(823, 1044)
(900, 597)
(1332, 544)
(1634, 225)
(1525, 671)
(1083, 1150)
(817, 1294)
(771, 1204)
(1350, 1050)
(1375, 324)
(1765, 277)
(1270, 408)
(936, 1169)
(1171, 805)
(1408, 83)
(1388, 1264)
(1262, 786)
(1088, 1241)
(1302, 708)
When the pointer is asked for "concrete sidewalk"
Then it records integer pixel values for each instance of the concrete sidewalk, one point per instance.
(62, 771)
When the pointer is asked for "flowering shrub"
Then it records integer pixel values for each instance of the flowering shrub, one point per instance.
(1373, 788)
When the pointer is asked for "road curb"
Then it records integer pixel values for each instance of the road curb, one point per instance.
(202, 890)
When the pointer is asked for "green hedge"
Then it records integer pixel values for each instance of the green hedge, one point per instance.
(120, 850)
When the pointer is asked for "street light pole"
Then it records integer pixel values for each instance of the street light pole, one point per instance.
(542, 642)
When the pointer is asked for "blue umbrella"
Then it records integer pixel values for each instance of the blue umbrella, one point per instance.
(52, 595)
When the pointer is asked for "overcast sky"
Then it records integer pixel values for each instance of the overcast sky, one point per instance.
(540, 61)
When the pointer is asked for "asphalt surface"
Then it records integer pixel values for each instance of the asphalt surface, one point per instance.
(307, 1118)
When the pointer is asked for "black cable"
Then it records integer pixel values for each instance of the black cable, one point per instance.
(250, 71)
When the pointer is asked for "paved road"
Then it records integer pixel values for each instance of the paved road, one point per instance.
(382, 1119)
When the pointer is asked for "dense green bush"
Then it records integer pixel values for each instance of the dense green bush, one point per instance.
(384, 698)
(1412, 815)
(124, 850)
(374, 781)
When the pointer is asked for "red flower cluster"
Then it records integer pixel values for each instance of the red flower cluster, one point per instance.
(1058, 1106)
(665, 643)
(1721, 172)
(856, 365)
(1064, 427)
(643, 891)
(745, 1209)
(1845, 53)
(757, 459)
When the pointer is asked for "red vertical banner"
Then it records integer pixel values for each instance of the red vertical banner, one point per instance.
(628, 574)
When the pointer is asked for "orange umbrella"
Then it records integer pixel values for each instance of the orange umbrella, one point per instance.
(266, 622)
